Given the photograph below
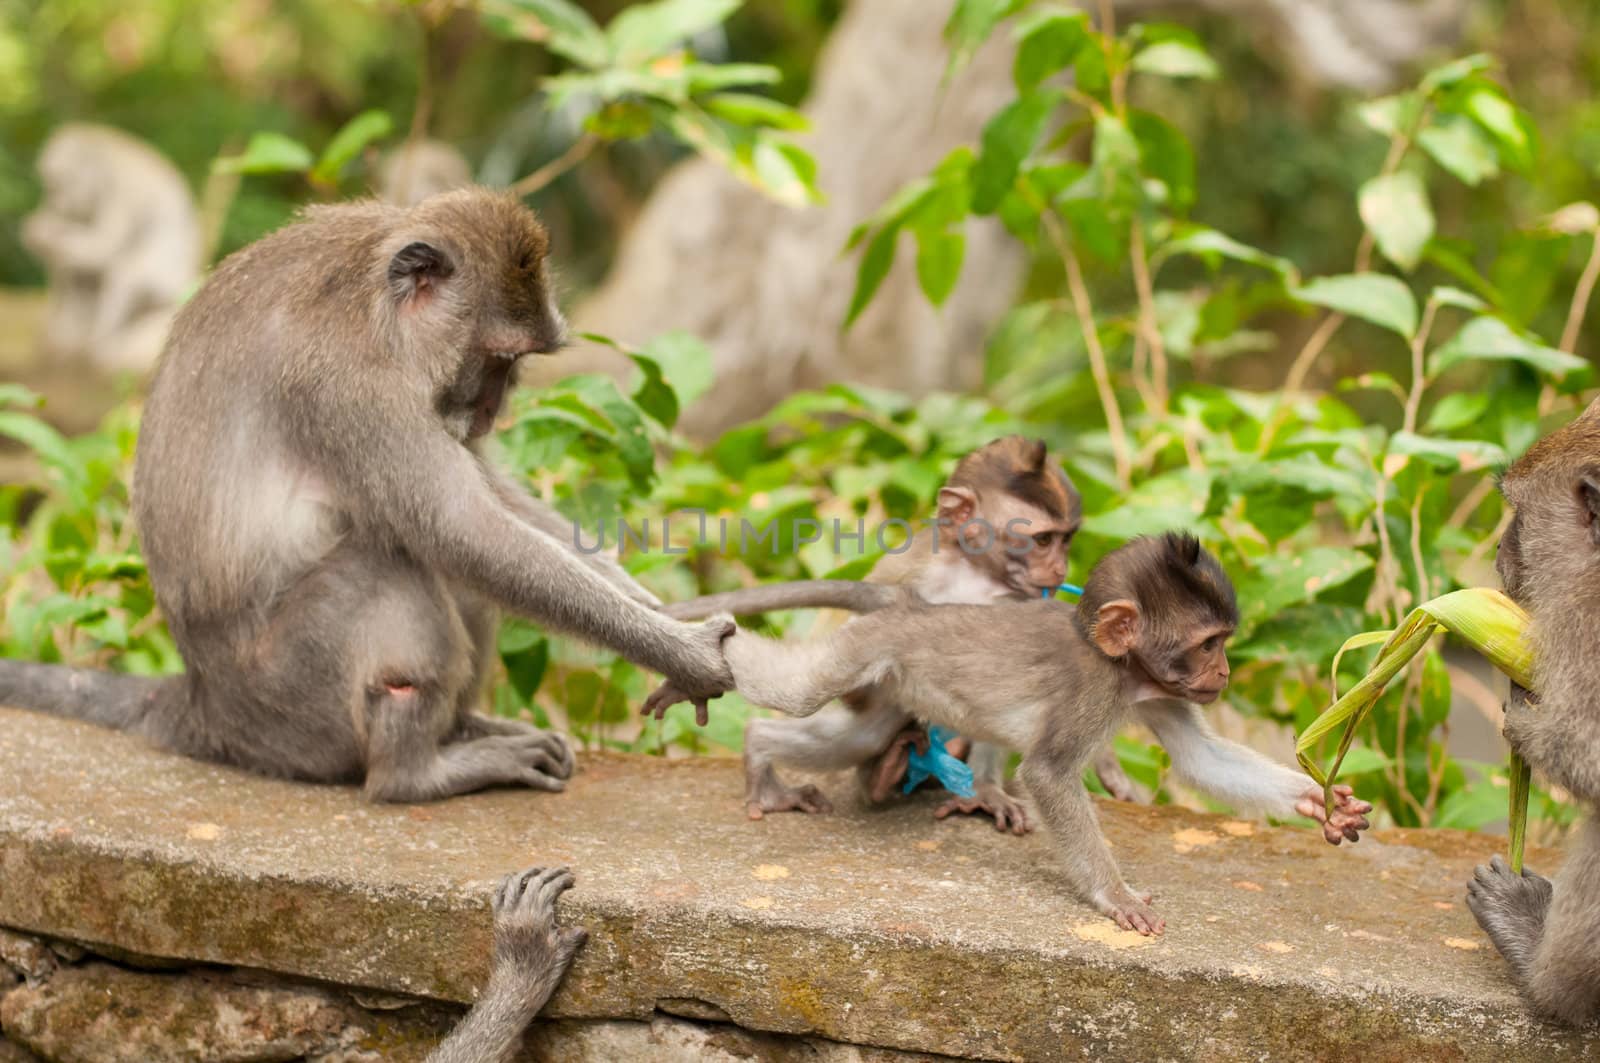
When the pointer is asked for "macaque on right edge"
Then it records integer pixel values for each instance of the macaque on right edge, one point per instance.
(1549, 932)
(1147, 639)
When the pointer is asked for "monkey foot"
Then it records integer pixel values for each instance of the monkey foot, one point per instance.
(1510, 908)
(1131, 911)
(1009, 814)
(806, 798)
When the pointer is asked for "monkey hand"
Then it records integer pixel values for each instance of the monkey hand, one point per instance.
(531, 952)
(991, 799)
(1131, 910)
(1344, 822)
(704, 673)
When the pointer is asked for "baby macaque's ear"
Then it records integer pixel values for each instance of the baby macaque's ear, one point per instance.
(957, 504)
(1116, 628)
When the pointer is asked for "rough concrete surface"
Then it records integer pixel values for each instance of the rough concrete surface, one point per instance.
(872, 927)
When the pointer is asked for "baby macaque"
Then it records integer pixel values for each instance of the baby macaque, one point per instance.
(1005, 520)
(1055, 681)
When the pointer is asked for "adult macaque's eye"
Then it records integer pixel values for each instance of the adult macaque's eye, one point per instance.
(1044, 538)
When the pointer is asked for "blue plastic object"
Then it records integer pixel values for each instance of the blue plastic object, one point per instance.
(1070, 588)
(952, 772)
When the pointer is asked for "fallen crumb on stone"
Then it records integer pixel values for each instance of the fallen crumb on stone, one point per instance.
(768, 872)
(1238, 828)
(1191, 838)
(759, 904)
(1279, 947)
(1104, 932)
(1465, 944)
(1444, 906)
(1251, 886)
(204, 832)
(928, 845)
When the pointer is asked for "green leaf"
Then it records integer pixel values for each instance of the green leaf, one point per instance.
(1047, 41)
(653, 396)
(939, 257)
(267, 153)
(1457, 410)
(969, 25)
(1395, 210)
(1390, 114)
(1490, 339)
(747, 109)
(348, 142)
(1448, 455)
(1165, 154)
(875, 263)
(686, 363)
(560, 25)
(784, 172)
(1376, 297)
(713, 77)
(1280, 580)
(1008, 139)
(1209, 243)
(1114, 160)
(1175, 59)
(1453, 72)
(641, 32)
(1444, 295)
(1458, 145)
(1500, 118)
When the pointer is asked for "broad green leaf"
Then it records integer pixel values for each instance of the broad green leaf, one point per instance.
(1047, 42)
(969, 25)
(1490, 339)
(1376, 297)
(1457, 144)
(939, 257)
(1395, 210)
(1114, 159)
(1206, 243)
(875, 263)
(1175, 59)
(1445, 295)
(1390, 114)
(653, 396)
(1457, 410)
(18, 395)
(686, 363)
(1281, 580)
(1165, 154)
(267, 153)
(784, 172)
(560, 25)
(1448, 455)
(641, 32)
(1454, 72)
(1499, 117)
(1008, 138)
(714, 77)
(747, 109)
(348, 142)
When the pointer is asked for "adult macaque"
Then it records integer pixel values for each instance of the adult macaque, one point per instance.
(119, 234)
(1549, 932)
(531, 954)
(1004, 523)
(1147, 638)
(327, 543)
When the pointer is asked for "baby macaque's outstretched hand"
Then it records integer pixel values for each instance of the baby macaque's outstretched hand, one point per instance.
(1344, 822)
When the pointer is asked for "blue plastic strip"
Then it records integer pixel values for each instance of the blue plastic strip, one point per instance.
(952, 773)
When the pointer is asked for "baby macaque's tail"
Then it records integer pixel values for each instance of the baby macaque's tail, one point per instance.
(799, 594)
(109, 699)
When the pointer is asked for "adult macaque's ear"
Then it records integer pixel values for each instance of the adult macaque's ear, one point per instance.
(1116, 628)
(416, 269)
(1589, 500)
(957, 504)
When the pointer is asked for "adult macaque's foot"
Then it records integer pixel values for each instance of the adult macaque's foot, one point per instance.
(1510, 908)
(1008, 813)
(780, 798)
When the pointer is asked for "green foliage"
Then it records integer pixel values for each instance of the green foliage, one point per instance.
(1332, 518)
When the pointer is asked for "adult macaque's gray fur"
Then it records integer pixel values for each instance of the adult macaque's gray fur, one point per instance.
(531, 954)
(1146, 639)
(1549, 932)
(324, 537)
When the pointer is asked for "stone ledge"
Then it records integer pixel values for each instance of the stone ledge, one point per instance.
(870, 927)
